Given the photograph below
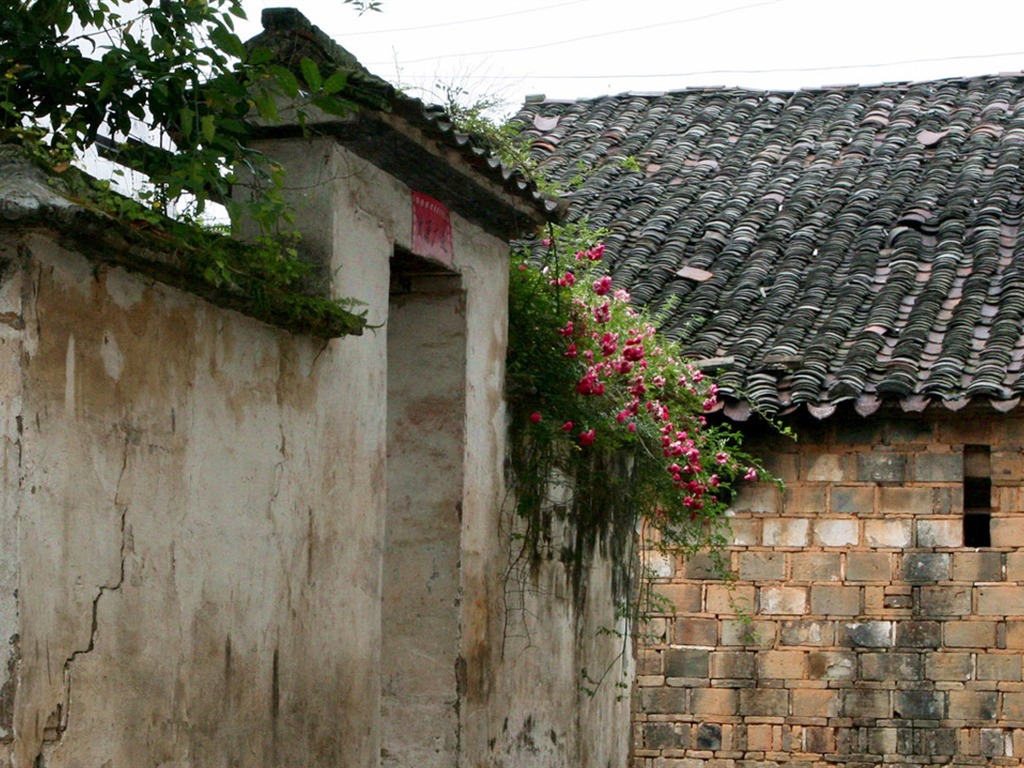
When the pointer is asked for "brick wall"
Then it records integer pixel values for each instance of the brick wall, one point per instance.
(860, 629)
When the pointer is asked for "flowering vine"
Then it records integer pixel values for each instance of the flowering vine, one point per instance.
(599, 397)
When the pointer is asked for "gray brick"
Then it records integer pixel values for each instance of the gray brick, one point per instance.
(881, 467)
(904, 432)
(869, 566)
(865, 634)
(891, 666)
(945, 601)
(993, 742)
(816, 566)
(939, 467)
(853, 499)
(977, 566)
(920, 705)
(762, 566)
(935, 742)
(709, 736)
(918, 634)
(664, 701)
(701, 566)
(866, 704)
(666, 735)
(922, 567)
(686, 663)
(806, 633)
(764, 702)
(831, 665)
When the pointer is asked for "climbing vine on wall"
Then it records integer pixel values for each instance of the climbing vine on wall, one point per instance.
(609, 421)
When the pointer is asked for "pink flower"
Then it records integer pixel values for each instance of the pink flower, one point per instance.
(595, 253)
(587, 438)
(567, 427)
(751, 474)
(721, 458)
(621, 295)
(535, 417)
(546, 242)
(522, 267)
(567, 330)
(570, 352)
(632, 427)
(602, 285)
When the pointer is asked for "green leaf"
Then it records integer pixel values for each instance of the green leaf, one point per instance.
(285, 80)
(333, 106)
(311, 73)
(186, 119)
(335, 82)
(208, 126)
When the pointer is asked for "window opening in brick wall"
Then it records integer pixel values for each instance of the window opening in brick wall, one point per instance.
(977, 496)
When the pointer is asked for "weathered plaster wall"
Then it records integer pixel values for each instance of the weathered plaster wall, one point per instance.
(861, 629)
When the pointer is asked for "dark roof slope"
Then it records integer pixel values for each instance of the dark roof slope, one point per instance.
(849, 243)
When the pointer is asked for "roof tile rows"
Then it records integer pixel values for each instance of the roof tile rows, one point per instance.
(850, 243)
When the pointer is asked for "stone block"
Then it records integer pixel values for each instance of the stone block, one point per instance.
(728, 599)
(948, 667)
(806, 633)
(785, 532)
(842, 532)
(918, 634)
(762, 498)
(732, 665)
(709, 736)
(1003, 667)
(761, 738)
(890, 741)
(948, 501)
(970, 634)
(983, 566)
(744, 532)
(781, 665)
(853, 499)
(701, 566)
(666, 735)
(866, 704)
(784, 466)
(885, 534)
(818, 739)
(764, 702)
(686, 663)
(831, 665)
(804, 499)
(905, 432)
(868, 566)
(1008, 531)
(663, 701)
(762, 566)
(1000, 601)
(1013, 705)
(754, 634)
(924, 567)
(835, 600)
(994, 742)
(865, 634)
(919, 705)
(826, 468)
(681, 598)
(783, 600)
(945, 601)
(898, 500)
(935, 742)
(896, 667)
(714, 701)
(815, 566)
(973, 705)
(815, 702)
(881, 467)
(688, 631)
(865, 432)
(940, 532)
(939, 467)
(1007, 466)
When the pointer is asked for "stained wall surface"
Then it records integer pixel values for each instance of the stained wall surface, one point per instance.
(862, 629)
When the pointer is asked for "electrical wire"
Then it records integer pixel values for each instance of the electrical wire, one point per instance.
(463, 21)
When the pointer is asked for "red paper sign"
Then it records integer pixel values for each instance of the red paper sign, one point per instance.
(431, 229)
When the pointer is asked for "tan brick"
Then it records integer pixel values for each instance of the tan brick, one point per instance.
(762, 566)
(973, 705)
(934, 532)
(815, 702)
(899, 500)
(683, 598)
(970, 634)
(757, 497)
(728, 600)
(982, 566)
(949, 666)
(784, 466)
(764, 702)
(939, 467)
(760, 738)
(827, 468)
(1003, 667)
(751, 634)
(1000, 601)
(835, 600)
(1008, 531)
(1013, 706)
(799, 499)
(700, 632)
(714, 701)
(884, 534)
(815, 566)
(868, 566)
(831, 665)
(1006, 500)
(1007, 465)
(820, 633)
(1015, 634)
(783, 600)
(1014, 566)
(840, 532)
(783, 665)
(785, 532)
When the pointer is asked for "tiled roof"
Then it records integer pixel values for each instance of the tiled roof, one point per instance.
(383, 127)
(841, 244)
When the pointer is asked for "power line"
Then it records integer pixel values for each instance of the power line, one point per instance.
(463, 21)
(586, 37)
(620, 76)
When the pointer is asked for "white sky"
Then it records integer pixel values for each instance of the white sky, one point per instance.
(580, 48)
